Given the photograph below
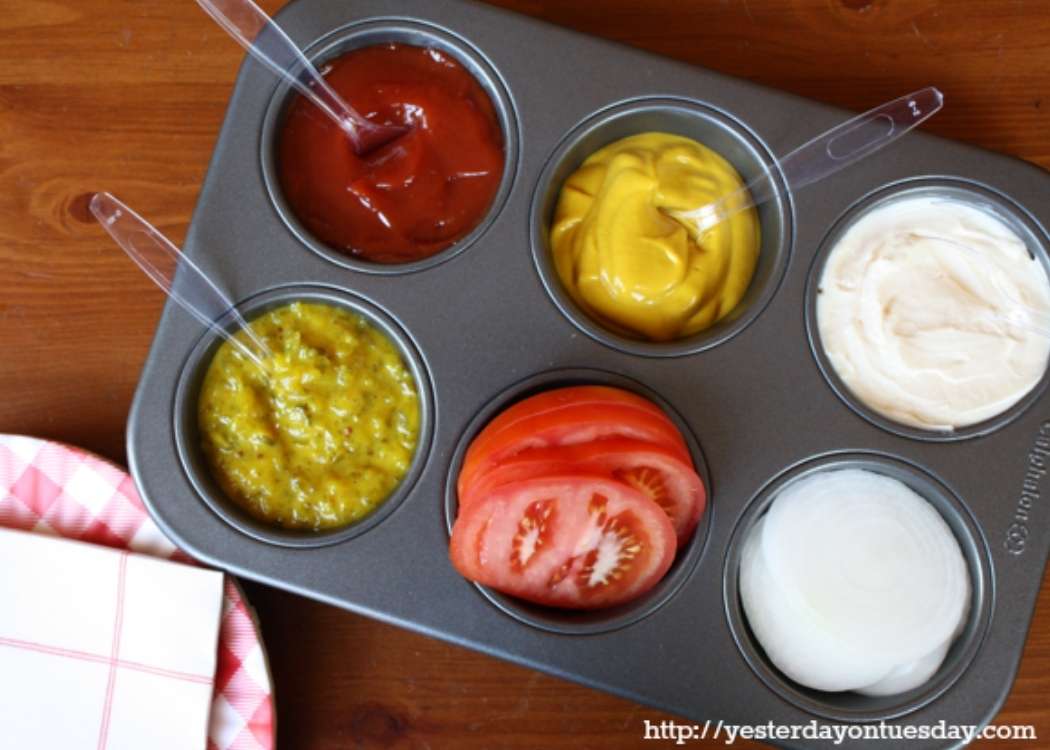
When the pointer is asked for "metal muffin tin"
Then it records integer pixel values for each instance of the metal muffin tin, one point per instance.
(486, 321)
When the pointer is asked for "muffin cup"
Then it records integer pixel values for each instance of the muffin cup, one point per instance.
(585, 622)
(718, 131)
(187, 432)
(963, 191)
(849, 706)
(367, 34)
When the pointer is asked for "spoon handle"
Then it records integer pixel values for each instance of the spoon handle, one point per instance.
(826, 154)
(162, 261)
(266, 41)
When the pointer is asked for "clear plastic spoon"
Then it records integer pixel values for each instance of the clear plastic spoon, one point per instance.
(266, 41)
(176, 274)
(824, 155)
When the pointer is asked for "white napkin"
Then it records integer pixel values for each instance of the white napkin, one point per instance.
(101, 649)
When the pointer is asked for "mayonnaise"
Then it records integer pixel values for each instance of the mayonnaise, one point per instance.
(930, 310)
(627, 262)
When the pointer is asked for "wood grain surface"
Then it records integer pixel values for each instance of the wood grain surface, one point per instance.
(128, 96)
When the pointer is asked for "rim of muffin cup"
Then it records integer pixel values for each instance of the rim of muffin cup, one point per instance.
(191, 456)
(973, 194)
(585, 622)
(850, 706)
(383, 31)
(710, 126)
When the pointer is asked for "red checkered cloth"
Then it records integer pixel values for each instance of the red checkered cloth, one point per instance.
(49, 488)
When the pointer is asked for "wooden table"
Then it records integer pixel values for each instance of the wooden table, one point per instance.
(128, 96)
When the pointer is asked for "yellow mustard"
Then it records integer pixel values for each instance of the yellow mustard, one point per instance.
(327, 436)
(630, 264)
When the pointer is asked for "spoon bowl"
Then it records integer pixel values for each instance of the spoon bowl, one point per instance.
(250, 27)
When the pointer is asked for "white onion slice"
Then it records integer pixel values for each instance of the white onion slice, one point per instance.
(908, 676)
(852, 581)
(791, 635)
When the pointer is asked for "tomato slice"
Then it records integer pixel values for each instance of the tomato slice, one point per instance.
(578, 541)
(649, 468)
(557, 419)
(556, 399)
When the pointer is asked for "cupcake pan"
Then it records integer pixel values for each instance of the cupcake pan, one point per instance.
(485, 322)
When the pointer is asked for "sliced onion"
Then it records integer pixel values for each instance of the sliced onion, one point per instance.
(852, 581)
(909, 676)
(791, 635)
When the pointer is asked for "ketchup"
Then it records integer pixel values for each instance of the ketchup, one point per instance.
(414, 196)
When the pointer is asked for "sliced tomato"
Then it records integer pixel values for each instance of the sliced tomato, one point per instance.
(649, 468)
(556, 399)
(563, 421)
(579, 542)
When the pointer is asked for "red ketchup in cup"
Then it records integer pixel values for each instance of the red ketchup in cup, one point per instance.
(414, 196)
